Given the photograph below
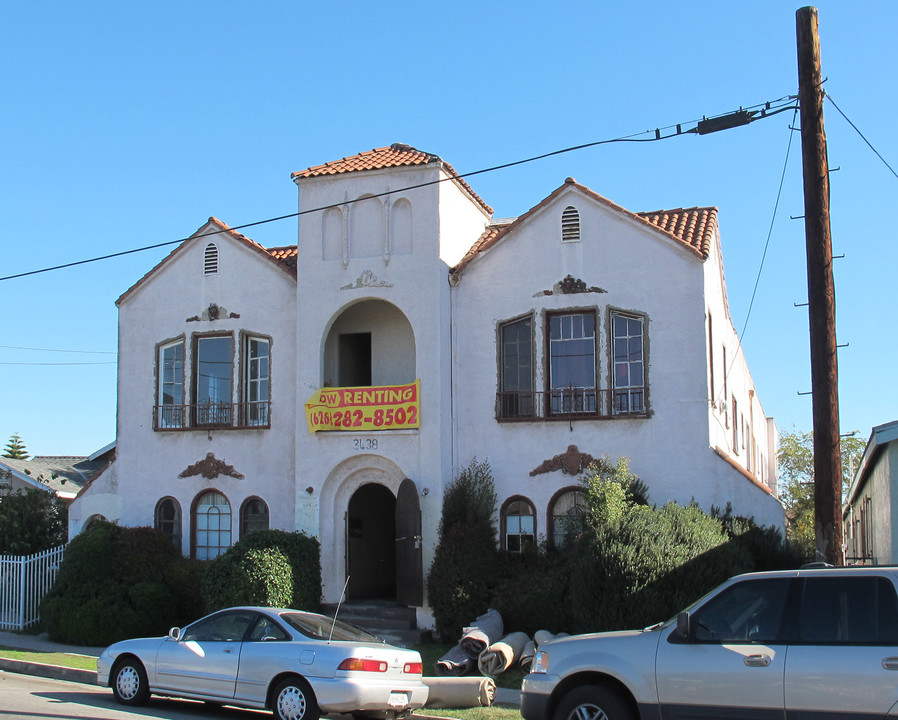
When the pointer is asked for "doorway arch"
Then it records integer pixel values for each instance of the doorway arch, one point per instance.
(371, 543)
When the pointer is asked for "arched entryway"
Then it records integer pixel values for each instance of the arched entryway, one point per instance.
(371, 543)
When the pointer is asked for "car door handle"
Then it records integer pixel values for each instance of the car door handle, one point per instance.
(228, 650)
(890, 663)
(757, 660)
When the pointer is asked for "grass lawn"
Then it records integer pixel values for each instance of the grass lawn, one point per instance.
(80, 662)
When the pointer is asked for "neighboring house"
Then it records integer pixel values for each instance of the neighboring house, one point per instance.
(577, 330)
(64, 475)
(870, 511)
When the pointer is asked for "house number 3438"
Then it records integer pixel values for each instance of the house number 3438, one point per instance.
(364, 444)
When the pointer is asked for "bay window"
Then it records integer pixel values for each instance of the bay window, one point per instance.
(572, 363)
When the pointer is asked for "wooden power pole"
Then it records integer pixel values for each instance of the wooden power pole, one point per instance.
(821, 295)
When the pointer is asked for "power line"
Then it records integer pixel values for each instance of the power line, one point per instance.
(724, 121)
(104, 362)
(776, 205)
(86, 352)
(869, 144)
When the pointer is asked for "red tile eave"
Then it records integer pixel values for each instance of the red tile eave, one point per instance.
(393, 156)
(281, 262)
(689, 216)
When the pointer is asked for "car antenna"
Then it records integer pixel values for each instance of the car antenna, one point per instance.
(342, 595)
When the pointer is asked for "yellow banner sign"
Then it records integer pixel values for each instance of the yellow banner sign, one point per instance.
(364, 409)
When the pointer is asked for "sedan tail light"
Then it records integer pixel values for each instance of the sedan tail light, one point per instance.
(363, 665)
(415, 668)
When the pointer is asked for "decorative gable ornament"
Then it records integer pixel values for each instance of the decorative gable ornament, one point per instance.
(210, 468)
(212, 313)
(571, 286)
(570, 462)
(366, 279)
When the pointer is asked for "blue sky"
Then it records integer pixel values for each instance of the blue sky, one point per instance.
(129, 124)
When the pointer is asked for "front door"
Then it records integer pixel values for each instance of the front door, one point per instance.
(409, 563)
(370, 542)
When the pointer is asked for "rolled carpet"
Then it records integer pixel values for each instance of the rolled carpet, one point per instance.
(500, 656)
(484, 631)
(527, 655)
(456, 662)
(460, 692)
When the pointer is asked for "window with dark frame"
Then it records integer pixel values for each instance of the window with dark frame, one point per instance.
(628, 360)
(168, 520)
(211, 525)
(516, 368)
(520, 527)
(253, 516)
(569, 512)
(572, 363)
(170, 386)
(213, 380)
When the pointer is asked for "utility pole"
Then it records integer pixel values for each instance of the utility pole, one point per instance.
(821, 295)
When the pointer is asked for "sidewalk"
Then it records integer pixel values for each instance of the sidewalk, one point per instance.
(40, 643)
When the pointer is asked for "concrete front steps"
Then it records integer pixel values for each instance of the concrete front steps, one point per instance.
(394, 623)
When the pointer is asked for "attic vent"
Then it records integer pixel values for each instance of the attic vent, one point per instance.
(570, 225)
(210, 260)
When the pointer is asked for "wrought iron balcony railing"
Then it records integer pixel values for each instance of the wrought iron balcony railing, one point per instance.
(571, 404)
(212, 415)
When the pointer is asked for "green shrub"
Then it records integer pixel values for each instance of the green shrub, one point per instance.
(460, 582)
(117, 582)
(273, 568)
(31, 521)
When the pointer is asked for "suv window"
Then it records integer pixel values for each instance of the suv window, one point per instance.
(750, 611)
(848, 610)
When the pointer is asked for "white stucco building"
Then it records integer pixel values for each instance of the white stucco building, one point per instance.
(576, 330)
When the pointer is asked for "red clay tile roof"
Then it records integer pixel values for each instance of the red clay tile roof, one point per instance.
(282, 256)
(692, 227)
(393, 156)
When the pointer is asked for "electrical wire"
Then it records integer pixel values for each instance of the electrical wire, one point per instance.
(779, 194)
(86, 352)
(869, 144)
(767, 109)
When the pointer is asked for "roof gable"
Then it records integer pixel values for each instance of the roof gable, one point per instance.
(282, 257)
(396, 155)
(692, 228)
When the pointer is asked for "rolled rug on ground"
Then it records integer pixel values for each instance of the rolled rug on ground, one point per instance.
(527, 656)
(456, 662)
(500, 656)
(482, 633)
(541, 637)
(460, 692)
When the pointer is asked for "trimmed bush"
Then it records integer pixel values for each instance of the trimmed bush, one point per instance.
(115, 583)
(466, 562)
(273, 568)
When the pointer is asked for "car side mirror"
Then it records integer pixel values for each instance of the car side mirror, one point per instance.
(174, 634)
(684, 626)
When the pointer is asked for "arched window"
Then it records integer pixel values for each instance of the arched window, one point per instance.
(93, 520)
(168, 519)
(570, 224)
(211, 525)
(253, 516)
(210, 259)
(568, 511)
(518, 525)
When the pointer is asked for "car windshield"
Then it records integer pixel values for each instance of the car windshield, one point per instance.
(319, 627)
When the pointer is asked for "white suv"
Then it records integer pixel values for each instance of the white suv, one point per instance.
(807, 643)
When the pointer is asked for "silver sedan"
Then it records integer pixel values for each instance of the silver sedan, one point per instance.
(297, 664)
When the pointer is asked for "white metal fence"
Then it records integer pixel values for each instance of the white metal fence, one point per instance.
(24, 580)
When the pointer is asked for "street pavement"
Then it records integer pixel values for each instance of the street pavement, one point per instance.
(40, 643)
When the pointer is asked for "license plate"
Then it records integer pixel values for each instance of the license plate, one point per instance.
(398, 700)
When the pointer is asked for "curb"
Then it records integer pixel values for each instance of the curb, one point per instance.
(55, 672)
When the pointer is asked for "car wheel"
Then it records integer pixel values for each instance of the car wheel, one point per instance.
(294, 700)
(129, 682)
(591, 702)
